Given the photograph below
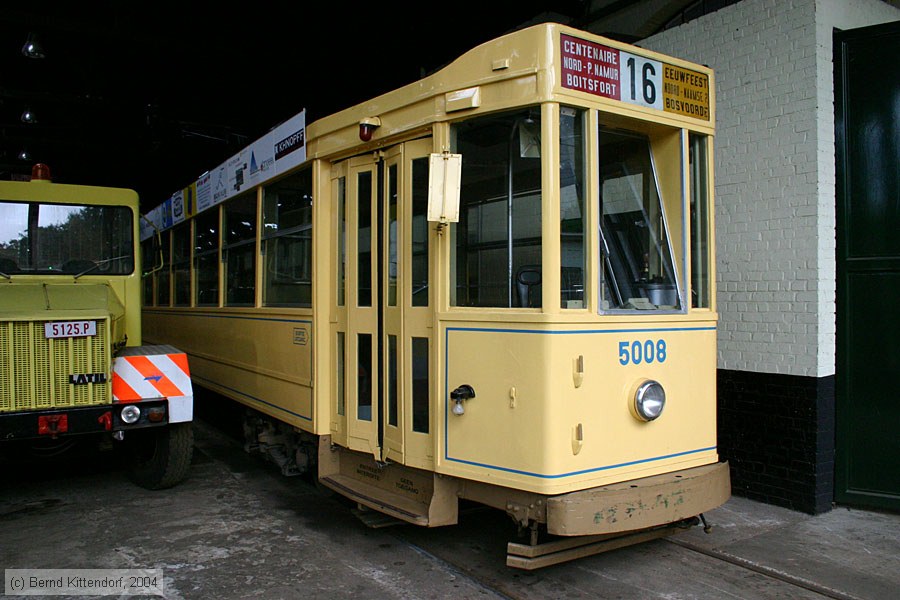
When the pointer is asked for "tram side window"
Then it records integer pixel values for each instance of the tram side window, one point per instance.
(364, 238)
(181, 264)
(637, 272)
(239, 250)
(341, 196)
(163, 275)
(419, 232)
(287, 241)
(700, 275)
(206, 257)
(572, 214)
(497, 243)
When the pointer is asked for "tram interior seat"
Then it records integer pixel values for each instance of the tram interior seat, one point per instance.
(528, 284)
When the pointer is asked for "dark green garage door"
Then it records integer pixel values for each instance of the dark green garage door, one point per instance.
(867, 104)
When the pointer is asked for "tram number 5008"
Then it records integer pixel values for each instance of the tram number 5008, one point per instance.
(638, 352)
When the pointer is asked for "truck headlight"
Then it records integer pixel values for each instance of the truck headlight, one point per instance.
(130, 414)
(649, 400)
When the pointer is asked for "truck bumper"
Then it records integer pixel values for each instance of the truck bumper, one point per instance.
(181, 409)
(640, 503)
(54, 423)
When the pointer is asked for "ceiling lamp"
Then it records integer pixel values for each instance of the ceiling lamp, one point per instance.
(32, 47)
(24, 154)
(28, 116)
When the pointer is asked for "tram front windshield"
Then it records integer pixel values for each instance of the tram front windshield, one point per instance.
(638, 272)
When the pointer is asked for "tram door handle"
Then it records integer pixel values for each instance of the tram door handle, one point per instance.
(459, 396)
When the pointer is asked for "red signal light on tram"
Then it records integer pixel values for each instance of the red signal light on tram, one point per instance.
(40, 172)
(367, 127)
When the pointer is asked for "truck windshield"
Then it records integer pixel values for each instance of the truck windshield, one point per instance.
(71, 239)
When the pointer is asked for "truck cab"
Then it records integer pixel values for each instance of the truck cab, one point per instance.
(71, 359)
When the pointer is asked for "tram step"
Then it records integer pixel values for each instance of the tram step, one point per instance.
(378, 498)
(407, 493)
(374, 519)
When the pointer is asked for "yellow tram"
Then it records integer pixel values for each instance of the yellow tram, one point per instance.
(494, 284)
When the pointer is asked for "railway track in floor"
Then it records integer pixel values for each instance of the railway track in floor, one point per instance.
(767, 571)
(509, 588)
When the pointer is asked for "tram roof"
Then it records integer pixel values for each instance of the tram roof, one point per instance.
(532, 56)
(525, 67)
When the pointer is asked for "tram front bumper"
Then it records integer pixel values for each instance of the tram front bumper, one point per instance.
(640, 503)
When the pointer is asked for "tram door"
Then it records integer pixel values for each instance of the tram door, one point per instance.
(383, 317)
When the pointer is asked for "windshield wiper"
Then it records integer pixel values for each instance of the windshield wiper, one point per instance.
(100, 263)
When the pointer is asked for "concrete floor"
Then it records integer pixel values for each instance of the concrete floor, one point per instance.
(238, 529)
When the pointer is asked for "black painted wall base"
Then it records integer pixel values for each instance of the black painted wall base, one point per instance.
(777, 433)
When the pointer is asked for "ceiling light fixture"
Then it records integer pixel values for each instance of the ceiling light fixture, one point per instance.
(28, 116)
(32, 47)
(24, 154)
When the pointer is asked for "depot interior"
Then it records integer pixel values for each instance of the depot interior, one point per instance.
(117, 94)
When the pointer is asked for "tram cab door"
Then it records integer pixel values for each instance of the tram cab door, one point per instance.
(382, 403)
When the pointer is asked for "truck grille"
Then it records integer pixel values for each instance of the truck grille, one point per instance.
(34, 370)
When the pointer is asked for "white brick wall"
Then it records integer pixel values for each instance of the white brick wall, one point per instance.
(775, 198)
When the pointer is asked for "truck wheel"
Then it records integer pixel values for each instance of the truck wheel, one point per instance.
(160, 458)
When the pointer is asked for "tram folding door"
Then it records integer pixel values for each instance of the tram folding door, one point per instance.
(383, 322)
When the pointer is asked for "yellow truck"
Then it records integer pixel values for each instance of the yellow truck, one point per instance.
(71, 359)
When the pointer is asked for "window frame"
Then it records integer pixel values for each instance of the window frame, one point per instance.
(523, 124)
(214, 215)
(653, 133)
(283, 234)
(238, 248)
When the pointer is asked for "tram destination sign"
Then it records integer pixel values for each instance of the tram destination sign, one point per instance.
(619, 75)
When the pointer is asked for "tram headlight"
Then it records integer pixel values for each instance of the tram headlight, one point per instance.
(130, 414)
(649, 400)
